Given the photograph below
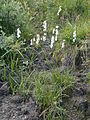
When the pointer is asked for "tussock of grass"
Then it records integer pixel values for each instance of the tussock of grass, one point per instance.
(51, 88)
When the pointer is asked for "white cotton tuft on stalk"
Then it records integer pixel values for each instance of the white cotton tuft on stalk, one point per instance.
(52, 42)
(57, 26)
(45, 25)
(38, 39)
(51, 45)
(31, 42)
(53, 31)
(59, 10)
(74, 35)
(18, 33)
(57, 32)
(44, 29)
(56, 35)
(56, 38)
(44, 37)
(63, 44)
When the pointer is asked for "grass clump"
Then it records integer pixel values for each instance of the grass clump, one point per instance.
(51, 89)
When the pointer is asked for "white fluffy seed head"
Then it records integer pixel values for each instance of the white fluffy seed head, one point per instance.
(44, 38)
(56, 38)
(63, 44)
(57, 32)
(52, 39)
(74, 36)
(53, 31)
(31, 42)
(52, 42)
(38, 39)
(60, 8)
(45, 34)
(51, 45)
(18, 33)
(57, 26)
(45, 25)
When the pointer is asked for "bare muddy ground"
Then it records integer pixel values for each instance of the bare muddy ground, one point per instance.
(15, 107)
(78, 105)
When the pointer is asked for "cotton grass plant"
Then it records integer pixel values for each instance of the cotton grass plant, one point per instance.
(41, 30)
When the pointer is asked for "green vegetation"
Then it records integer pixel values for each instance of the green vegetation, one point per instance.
(51, 89)
(33, 31)
(88, 76)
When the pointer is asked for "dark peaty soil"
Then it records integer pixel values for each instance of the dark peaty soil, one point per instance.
(78, 105)
(15, 107)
